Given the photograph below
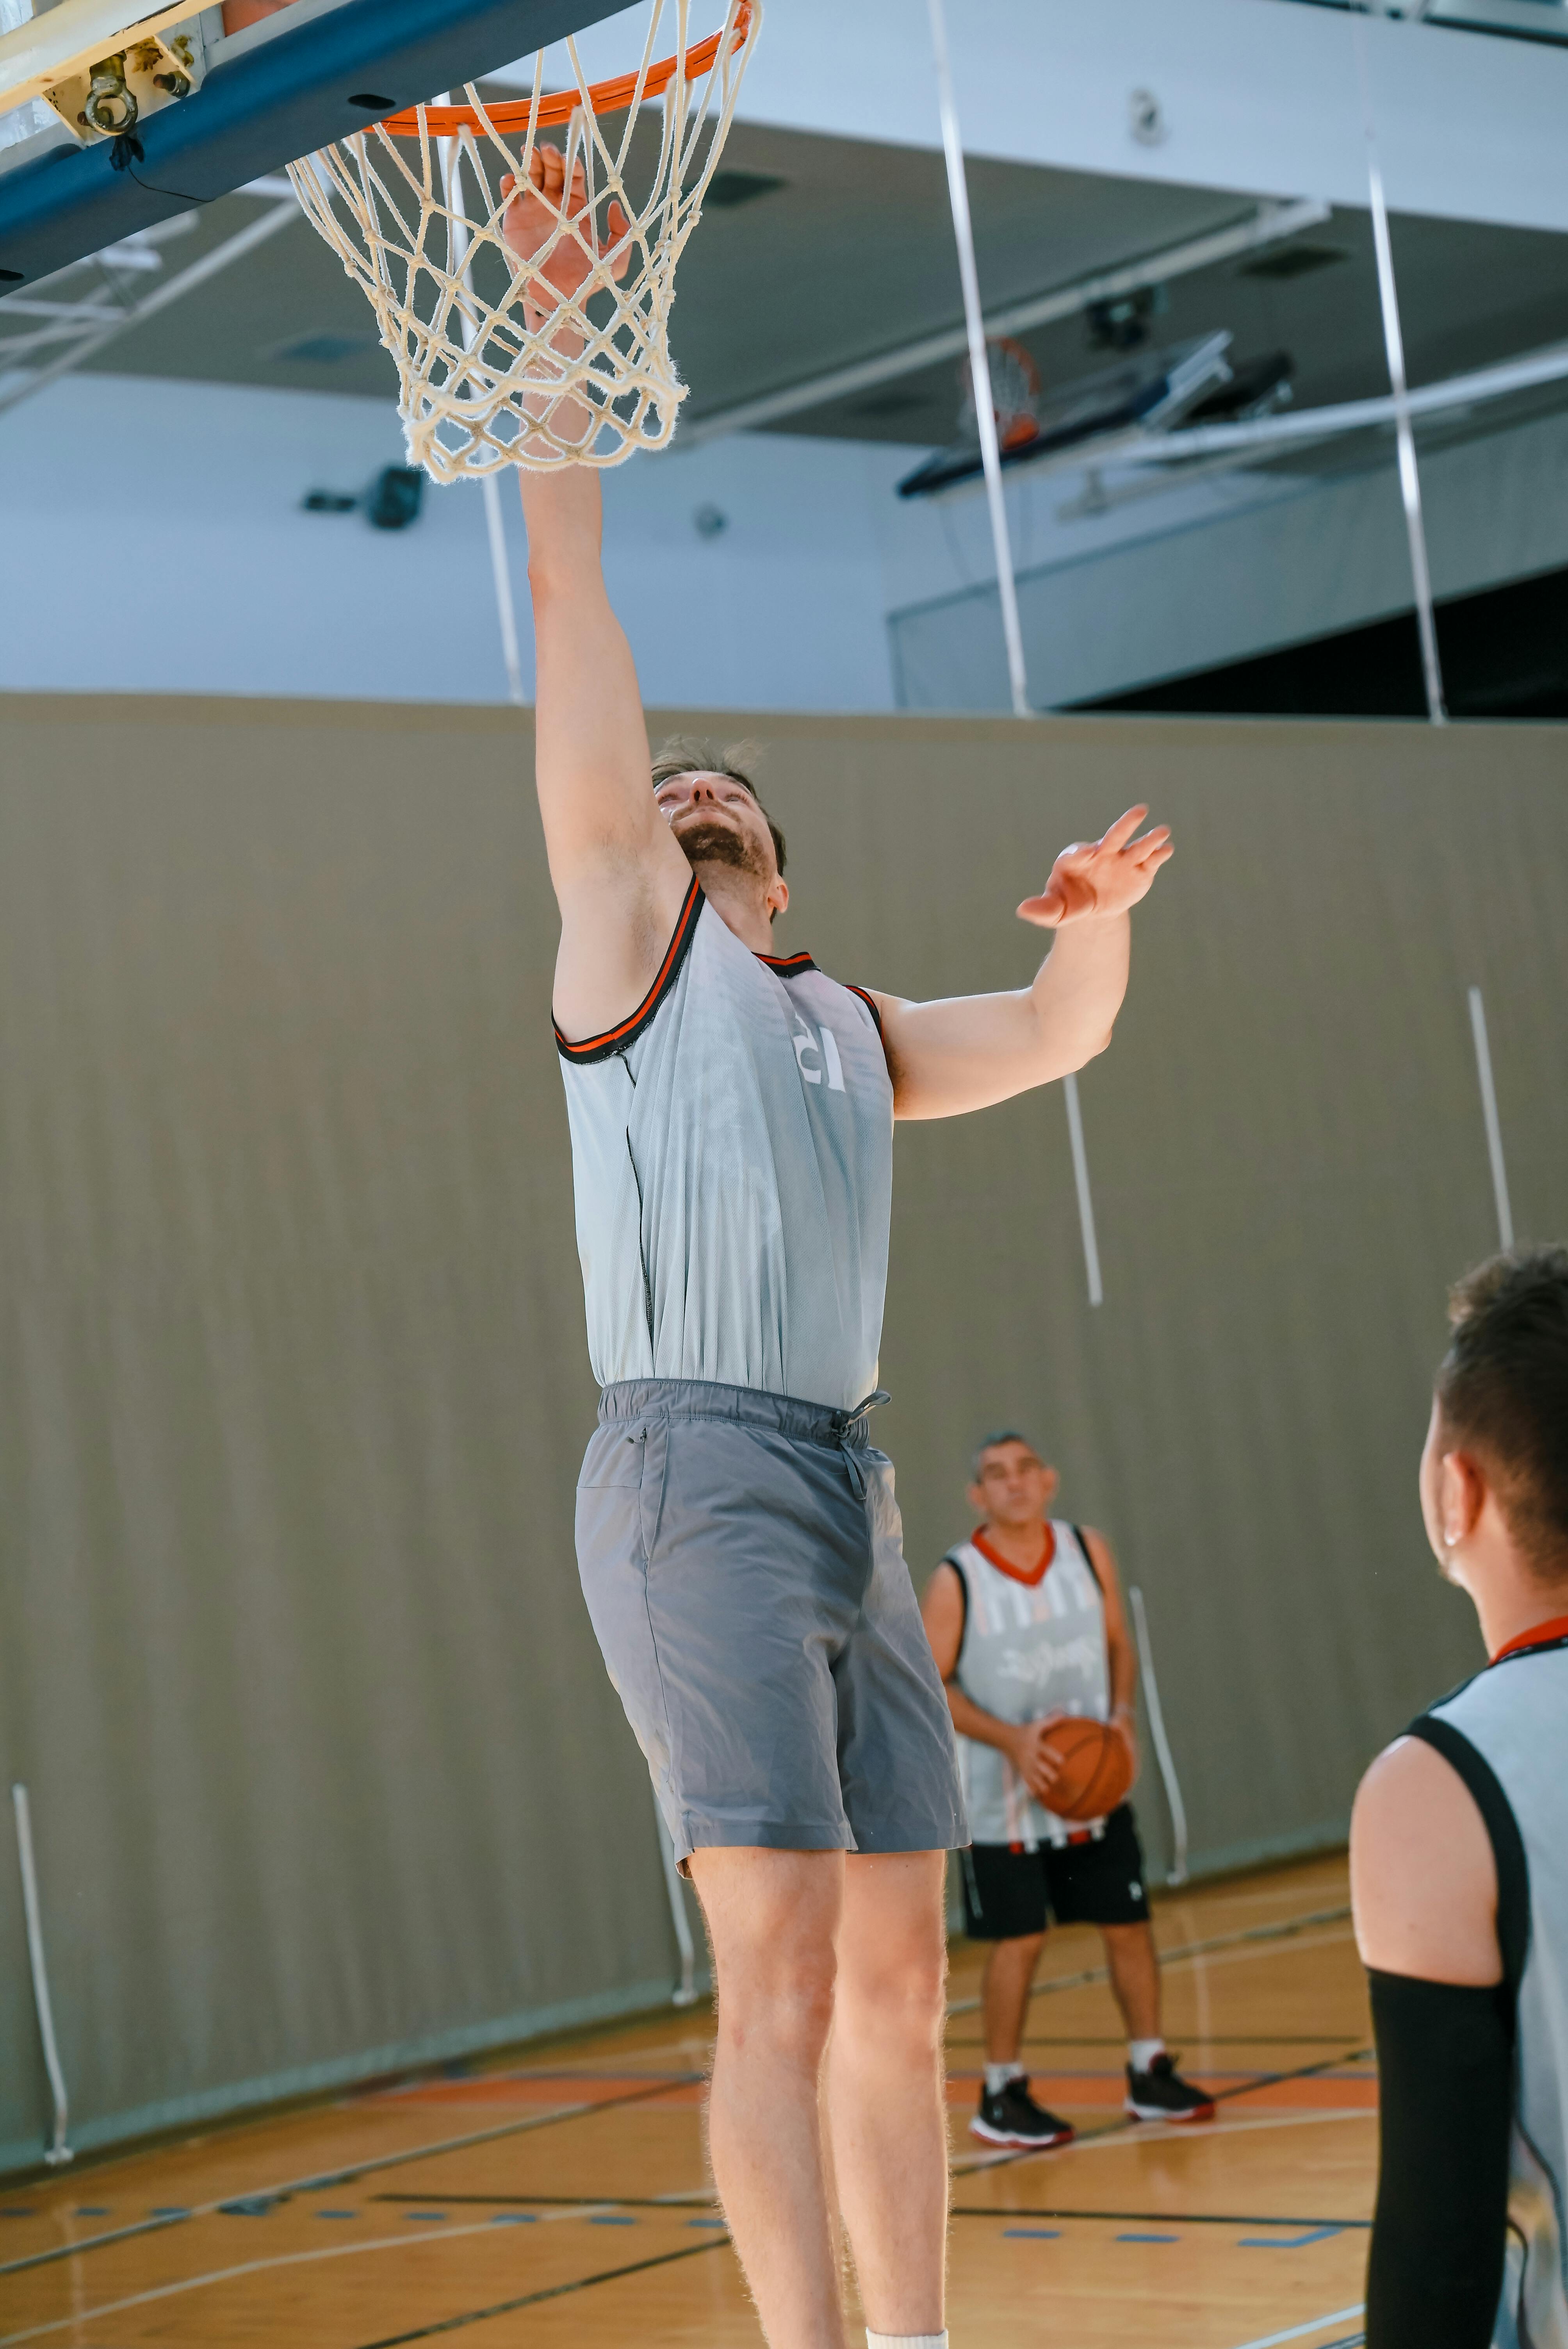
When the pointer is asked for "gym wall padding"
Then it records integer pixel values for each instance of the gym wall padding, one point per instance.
(325, 1774)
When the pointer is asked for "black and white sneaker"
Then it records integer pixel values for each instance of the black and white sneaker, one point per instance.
(1011, 2117)
(1161, 2093)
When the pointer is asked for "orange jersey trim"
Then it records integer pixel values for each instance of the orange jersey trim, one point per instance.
(1015, 1574)
(1539, 1635)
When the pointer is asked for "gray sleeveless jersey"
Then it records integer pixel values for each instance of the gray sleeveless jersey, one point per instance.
(1028, 1649)
(732, 1153)
(1514, 1715)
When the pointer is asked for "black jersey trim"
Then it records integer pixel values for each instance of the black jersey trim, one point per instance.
(871, 1006)
(788, 966)
(948, 1558)
(1486, 1791)
(617, 1039)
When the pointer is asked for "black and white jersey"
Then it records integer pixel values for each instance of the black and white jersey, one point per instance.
(1506, 1734)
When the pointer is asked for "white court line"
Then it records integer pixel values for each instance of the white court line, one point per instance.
(1300, 2331)
(288, 2260)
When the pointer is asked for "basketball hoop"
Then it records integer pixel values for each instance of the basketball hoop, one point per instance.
(415, 209)
(1015, 395)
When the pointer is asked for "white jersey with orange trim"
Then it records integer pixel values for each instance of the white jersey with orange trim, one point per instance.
(732, 1157)
(1028, 1649)
(1506, 1734)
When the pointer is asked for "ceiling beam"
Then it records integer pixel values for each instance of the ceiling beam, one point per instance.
(1268, 225)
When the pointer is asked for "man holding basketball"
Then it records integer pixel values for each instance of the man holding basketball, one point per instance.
(1026, 1625)
(731, 1114)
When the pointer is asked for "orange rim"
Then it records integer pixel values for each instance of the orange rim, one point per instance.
(613, 97)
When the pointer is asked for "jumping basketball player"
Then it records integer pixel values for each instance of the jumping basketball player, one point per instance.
(1025, 1622)
(1459, 1861)
(731, 1114)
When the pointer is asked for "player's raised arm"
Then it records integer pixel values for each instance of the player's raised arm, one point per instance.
(619, 878)
(970, 1051)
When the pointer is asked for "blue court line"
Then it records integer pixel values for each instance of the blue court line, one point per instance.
(169, 2211)
(1041, 2234)
(424, 2214)
(1286, 2242)
(613, 2219)
(720, 2223)
(337, 2214)
(93, 2209)
(1149, 2238)
(514, 2218)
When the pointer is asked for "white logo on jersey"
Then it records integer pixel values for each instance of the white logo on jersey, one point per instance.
(826, 1051)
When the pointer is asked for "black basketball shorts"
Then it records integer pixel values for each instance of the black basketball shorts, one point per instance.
(1008, 1891)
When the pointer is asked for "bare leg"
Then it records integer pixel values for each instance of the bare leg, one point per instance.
(1004, 1994)
(886, 2105)
(1134, 1977)
(771, 1918)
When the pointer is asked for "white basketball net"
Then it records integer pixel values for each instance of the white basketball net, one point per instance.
(416, 213)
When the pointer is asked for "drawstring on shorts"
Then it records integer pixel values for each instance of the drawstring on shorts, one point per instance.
(844, 1423)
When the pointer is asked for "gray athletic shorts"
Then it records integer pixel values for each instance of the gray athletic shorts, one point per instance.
(741, 1558)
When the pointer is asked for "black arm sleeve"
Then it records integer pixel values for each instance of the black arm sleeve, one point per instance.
(1445, 2066)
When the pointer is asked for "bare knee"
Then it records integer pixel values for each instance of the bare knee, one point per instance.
(777, 2001)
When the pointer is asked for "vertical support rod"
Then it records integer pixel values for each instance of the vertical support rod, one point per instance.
(1080, 1177)
(979, 365)
(1490, 1119)
(1162, 1753)
(59, 2151)
(684, 1993)
(506, 609)
(1394, 343)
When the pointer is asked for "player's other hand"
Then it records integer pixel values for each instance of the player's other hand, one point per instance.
(1031, 1757)
(1096, 877)
(544, 208)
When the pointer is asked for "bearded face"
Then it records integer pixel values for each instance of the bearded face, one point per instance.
(714, 841)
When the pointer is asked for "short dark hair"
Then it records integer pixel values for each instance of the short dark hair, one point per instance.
(683, 754)
(1502, 1392)
(1001, 1435)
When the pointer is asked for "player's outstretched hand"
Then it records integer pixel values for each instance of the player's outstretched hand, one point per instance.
(544, 217)
(1096, 877)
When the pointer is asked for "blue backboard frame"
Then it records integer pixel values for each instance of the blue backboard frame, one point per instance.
(289, 95)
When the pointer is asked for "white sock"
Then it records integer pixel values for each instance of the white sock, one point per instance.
(1141, 2053)
(906, 2340)
(999, 2074)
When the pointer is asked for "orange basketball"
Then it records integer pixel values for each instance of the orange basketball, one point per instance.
(1096, 1772)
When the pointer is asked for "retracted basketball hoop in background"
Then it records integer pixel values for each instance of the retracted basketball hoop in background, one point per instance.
(417, 208)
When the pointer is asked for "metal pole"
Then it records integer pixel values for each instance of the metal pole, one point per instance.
(1489, 1118)
(979, 365)
(1080, 1177)
(685, 1993)
(60, 2151)
(1393, 341)
(506, 609)
(1162, 1753)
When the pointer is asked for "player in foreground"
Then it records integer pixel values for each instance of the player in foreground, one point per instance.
(732, 1116)
(1459, 1861)
(1026, 1625)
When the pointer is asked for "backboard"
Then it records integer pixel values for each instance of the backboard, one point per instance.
(286, 87)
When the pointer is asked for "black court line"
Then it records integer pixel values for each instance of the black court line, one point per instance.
(244, 2204)
(1280, 1931)
(552, 2292)
(1163, 2217)
(1205, 2039)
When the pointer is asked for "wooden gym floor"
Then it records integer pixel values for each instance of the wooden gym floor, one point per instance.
(561, 2199)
